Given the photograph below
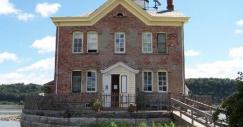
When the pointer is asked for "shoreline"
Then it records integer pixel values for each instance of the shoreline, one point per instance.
(10, 118)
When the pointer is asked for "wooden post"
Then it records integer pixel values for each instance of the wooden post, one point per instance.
(180, 112)
(192, 117)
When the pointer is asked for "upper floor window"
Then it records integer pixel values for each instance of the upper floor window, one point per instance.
(76, 81)
(77, 42)
(91, 81)
(162, 81)
(92, 41)
(147, 42)
(147, 81)
(119, 42)
(161, 39)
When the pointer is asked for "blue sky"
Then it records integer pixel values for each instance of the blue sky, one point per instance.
(213, 37)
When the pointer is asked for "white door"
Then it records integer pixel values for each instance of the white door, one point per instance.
(106, 90)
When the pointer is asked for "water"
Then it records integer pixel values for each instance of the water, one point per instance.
(9, 124)
(9, 110)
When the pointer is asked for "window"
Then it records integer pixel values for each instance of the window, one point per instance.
(91, 81)
(92, 41)
(124, 83)
(147, 81)
(147, 42)
(162, 81)
(76, 82)
(77, 42)
(119, 42)
(161, 39)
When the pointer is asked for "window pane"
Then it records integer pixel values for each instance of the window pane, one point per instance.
(162, 81)
(77, 42)
(161, 39)
(92, 41)
(120, 42)
(147, 81)
(91, 81)
(147, 42)
(76, 82)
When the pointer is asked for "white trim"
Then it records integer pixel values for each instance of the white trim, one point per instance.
(87, 81)
(167, 82)
(72, 82)
(119, 52)
(152, 82)
(97, 43)
(183, 59)
(121, 82)
(120, 64)
(82, 42)
(56, 67)
(143, 42)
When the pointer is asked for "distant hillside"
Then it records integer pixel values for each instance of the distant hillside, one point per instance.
(14, 93)
(218, 88)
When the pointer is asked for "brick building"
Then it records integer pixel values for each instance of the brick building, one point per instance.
(121, 48)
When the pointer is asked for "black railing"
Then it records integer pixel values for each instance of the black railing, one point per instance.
(142, 101)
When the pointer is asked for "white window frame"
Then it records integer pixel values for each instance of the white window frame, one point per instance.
(72, 82)
(143, 34)
(167, 86)
(97, 42)
(120, 52)
(82, 42)
(121, 76)
(152, 77)
(95, 81)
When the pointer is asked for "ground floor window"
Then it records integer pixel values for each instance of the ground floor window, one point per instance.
(147, 81)
(76, 81)
(91, 81)
(162, 81)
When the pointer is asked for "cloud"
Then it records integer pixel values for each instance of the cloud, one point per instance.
(45, 45)
(47, 9)
(238, 31)
(39, 72)
(191, 53)
(6, 56)
(240, 22)
(219, 69)
(7, 8)
(25, 16)
(236, 53)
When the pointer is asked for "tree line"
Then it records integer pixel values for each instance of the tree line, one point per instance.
(218, 89)
(15, 93)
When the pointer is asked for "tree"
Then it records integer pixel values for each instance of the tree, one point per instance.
(234, 105)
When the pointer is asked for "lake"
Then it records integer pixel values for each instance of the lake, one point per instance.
(9, 124)
(6, 110)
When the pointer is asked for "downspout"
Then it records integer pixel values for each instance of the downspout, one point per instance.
(183, 59)
(56, 60)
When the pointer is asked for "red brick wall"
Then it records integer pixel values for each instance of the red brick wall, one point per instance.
(133, 27)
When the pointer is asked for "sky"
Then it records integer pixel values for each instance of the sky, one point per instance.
(213, 37)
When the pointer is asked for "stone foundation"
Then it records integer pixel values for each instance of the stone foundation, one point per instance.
(45, 121)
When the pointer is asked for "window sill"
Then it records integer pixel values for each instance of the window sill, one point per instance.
(90, 92)
(120, 54)
(88, 53)
(92, 53)
(155, 53)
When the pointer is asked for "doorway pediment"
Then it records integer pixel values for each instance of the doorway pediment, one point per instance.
(117, 65)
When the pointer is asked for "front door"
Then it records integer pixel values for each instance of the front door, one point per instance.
(115, 79)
